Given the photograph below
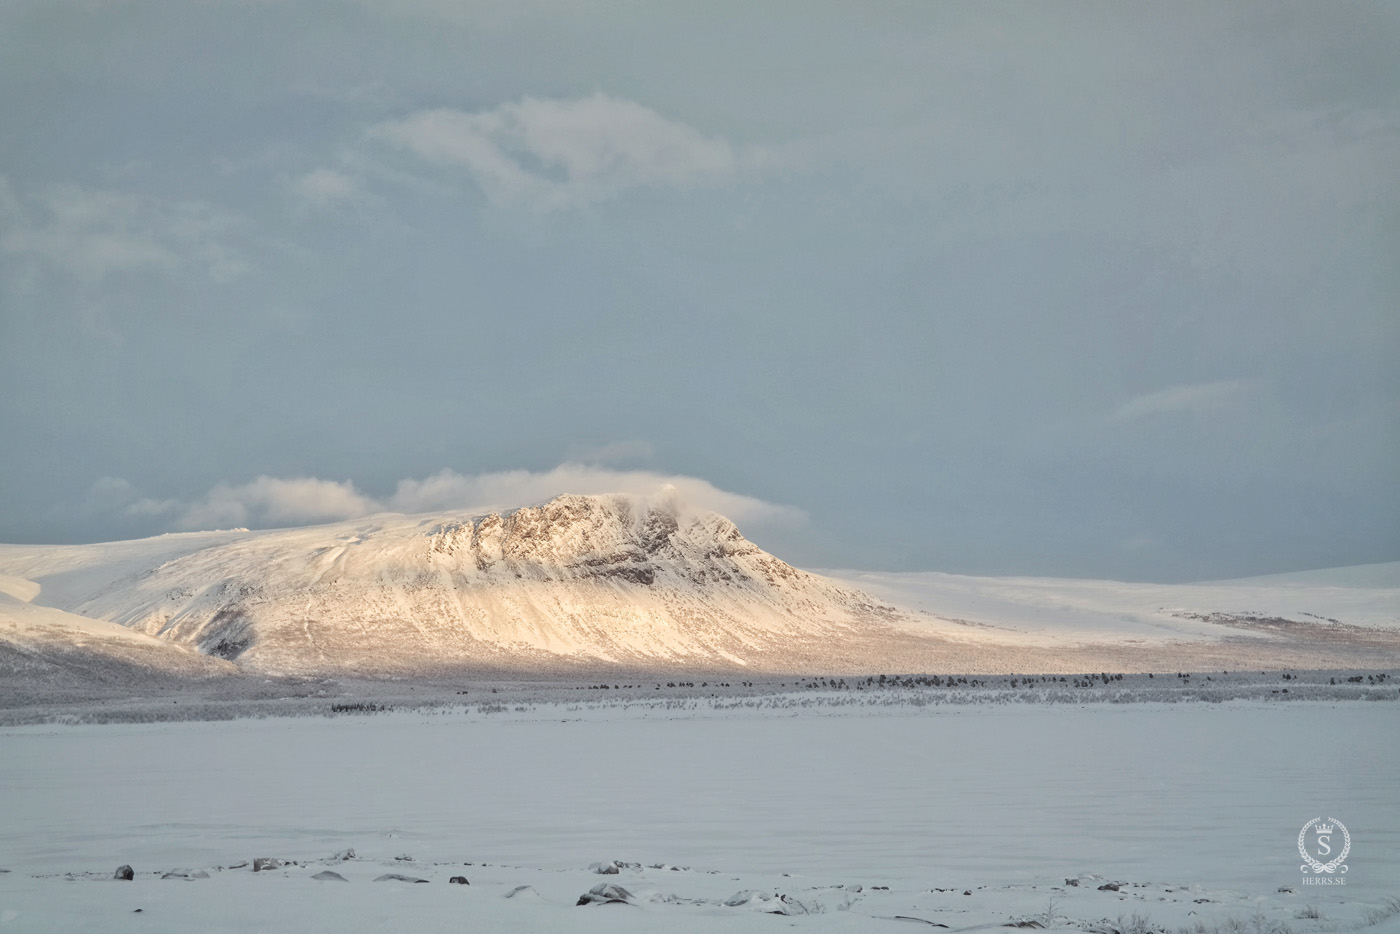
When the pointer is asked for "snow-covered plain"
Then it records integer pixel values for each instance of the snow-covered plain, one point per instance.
(858, 813)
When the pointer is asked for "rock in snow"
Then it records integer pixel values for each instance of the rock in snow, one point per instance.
(189, 875)
(329, 876)
(606, 893)
(768, 904)
(398, 877)
(459, 880)
(124, 874)
(264, 863)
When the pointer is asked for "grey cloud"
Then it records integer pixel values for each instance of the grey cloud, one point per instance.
(91, 234)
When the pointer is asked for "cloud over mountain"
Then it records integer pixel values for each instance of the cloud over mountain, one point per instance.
(290, 501)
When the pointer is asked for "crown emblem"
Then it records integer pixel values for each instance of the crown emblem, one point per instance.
(1324, 828)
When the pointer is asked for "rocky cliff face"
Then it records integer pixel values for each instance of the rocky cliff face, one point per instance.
(578, 580)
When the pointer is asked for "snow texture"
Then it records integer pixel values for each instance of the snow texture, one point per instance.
(1102, 818)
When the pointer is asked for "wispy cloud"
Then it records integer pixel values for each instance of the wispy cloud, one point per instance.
(555, 154)
(1187, 397)
(325, 188)
(92, 234)
(273, 501)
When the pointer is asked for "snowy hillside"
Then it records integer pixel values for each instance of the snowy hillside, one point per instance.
(45, 651)
(587, 579)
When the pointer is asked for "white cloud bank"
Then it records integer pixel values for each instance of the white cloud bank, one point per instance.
(556, 154)
(273, 501)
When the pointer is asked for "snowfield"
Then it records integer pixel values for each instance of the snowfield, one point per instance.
(711, 817)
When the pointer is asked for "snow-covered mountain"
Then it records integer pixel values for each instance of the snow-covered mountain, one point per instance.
(585, 583)
(578, 580)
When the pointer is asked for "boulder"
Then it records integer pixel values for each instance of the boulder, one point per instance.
(124, 874)
(610, 868)
(459, 880)
(264, 863)
(605, 893)
(328, 876)
(343, 855)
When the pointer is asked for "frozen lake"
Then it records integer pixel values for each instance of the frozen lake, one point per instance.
(1003, 797)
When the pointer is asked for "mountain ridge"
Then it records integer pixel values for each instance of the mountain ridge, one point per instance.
(613, 579)
(587, 584)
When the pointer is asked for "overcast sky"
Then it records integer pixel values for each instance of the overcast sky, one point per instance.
(1100, 290)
